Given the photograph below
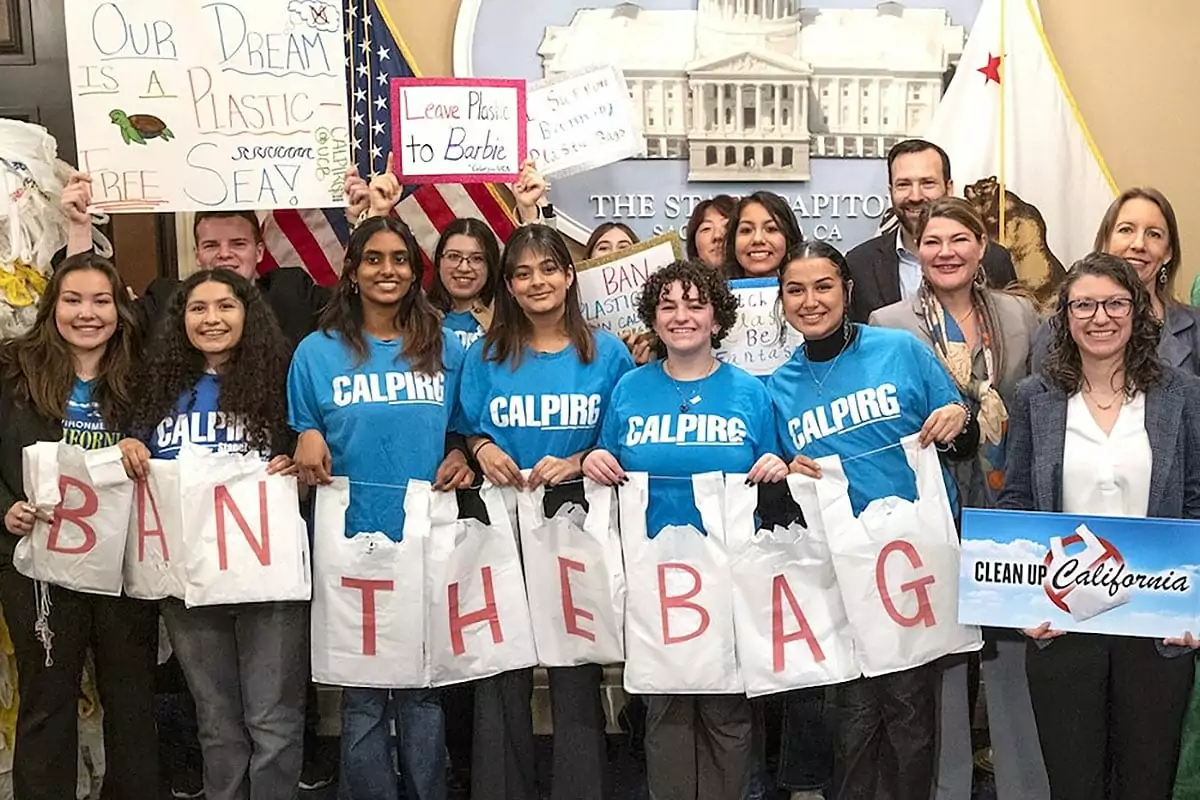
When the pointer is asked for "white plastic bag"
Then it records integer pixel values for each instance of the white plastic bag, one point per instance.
(1084, 601)
(155, 564)
(574, 577)
(679, 635)
(791, 624)
(368, 611)
(897, 566)
(89, 496)
(478, 612)
(245, 539)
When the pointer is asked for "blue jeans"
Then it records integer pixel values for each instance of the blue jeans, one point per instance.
(367, 771)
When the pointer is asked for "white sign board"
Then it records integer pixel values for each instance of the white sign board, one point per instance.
(609, 286)
(760, 342)
(465, 130)
(581, 121)
(187, 106)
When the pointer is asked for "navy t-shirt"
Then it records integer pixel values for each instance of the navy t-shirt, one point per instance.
(83, 424)
(197, 420)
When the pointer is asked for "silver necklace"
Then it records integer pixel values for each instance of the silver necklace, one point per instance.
(686, 403)
(821, 383)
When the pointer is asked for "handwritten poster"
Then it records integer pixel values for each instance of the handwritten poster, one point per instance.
(187, 106)
(761, 341)
(609, 286)
(448, 130)
(581, 121)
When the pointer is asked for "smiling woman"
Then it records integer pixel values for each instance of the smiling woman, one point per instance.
(760, 231)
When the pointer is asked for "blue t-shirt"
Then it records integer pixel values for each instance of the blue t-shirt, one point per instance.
(882, 388)
(384, 422)
(550, 405)
(83, 424)
(197, 420)
(465, 327)
(728, 426)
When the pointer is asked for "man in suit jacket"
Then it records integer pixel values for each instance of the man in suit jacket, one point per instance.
(885, 269)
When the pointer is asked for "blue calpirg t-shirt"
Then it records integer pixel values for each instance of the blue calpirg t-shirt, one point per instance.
(550, 405)
(197, 420)
(83, 424)
(881, 389)
(384, 422)
(727, 427)
(465, 327)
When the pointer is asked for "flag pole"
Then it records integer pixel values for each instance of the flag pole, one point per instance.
(1003, 143)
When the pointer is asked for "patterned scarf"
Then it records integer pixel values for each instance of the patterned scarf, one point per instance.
(952, 350)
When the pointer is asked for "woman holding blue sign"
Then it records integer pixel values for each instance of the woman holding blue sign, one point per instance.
(886, 725)
(696, 745)
(1107, 429)
(534, 391)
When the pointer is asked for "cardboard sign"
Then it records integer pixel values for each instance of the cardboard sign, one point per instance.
(1123, 576)
(447, 130)
(760, 342)
(235, 104)
(609, 286)
(581, 121)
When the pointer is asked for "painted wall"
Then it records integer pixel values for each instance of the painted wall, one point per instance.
(1132, 71)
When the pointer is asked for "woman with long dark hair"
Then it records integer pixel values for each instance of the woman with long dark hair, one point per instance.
(215, 378)
(380, 330)
(534, 390)
(70, 378)
(1105, 428)
(762, 229)
(705, 239)
(466, 271)
(886, 726)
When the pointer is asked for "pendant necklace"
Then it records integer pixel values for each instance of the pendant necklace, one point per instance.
(821, 383)
(686, 403)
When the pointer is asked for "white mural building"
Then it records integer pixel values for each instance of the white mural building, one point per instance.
(751, 89)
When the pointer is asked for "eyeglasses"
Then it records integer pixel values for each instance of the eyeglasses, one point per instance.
(1114, 307)
(455, 258)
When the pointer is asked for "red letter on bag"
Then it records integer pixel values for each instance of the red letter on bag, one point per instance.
(222, 499)
(144, 533)
(368, 588)
(571, 613)
(486, 614)
(91, 503)
(780, 590)
(920, 586)
(680, 601)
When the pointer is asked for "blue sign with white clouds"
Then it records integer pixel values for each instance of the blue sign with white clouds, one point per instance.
(801, 98)
(1126, 576)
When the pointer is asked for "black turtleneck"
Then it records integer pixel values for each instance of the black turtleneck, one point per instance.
(827, 348)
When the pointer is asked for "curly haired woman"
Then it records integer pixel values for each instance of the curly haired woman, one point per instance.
(217, 378)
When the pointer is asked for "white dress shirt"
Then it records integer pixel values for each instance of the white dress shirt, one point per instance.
(1107, 475)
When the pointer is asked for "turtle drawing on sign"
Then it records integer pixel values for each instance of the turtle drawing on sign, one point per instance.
(139, 127)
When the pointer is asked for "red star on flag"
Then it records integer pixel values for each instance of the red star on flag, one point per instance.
(991, 71)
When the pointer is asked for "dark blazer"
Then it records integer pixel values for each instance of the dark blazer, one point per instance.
(1178, 344)
(19, 428)
(875, 268)
(290, 292)
(1037, 428)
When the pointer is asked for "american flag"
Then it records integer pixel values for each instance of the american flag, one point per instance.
(315, 239)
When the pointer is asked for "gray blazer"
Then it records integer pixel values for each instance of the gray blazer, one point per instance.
(1016, 320)
(1037, 429)
(1178, 346)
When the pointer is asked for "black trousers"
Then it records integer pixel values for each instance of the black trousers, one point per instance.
(1109, 713)
(123, 635)
(885, 737)
(503, 764)
(698, 747)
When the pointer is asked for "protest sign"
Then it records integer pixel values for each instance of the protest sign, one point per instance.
(448, 130)
(582, 120)
(760, 342)
(609, 286)
(237, 104)
(1124, 576)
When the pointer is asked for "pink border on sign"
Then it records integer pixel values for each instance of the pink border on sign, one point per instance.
(472, 177)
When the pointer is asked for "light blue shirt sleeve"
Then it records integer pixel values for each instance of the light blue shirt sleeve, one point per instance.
(453, 361)
(766, 435)
(472, 392)
(610, 428)
(304, 409)
(910, 271)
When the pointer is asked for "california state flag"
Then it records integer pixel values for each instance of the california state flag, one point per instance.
(1010, 125)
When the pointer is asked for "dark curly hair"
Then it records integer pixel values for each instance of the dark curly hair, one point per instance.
(253, 380)
(711, 287)
(779, 211)
(1143, 369)
(479, 231)
(418, 321)
(38, 364)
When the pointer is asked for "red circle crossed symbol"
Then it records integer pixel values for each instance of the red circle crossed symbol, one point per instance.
(1059, 596)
